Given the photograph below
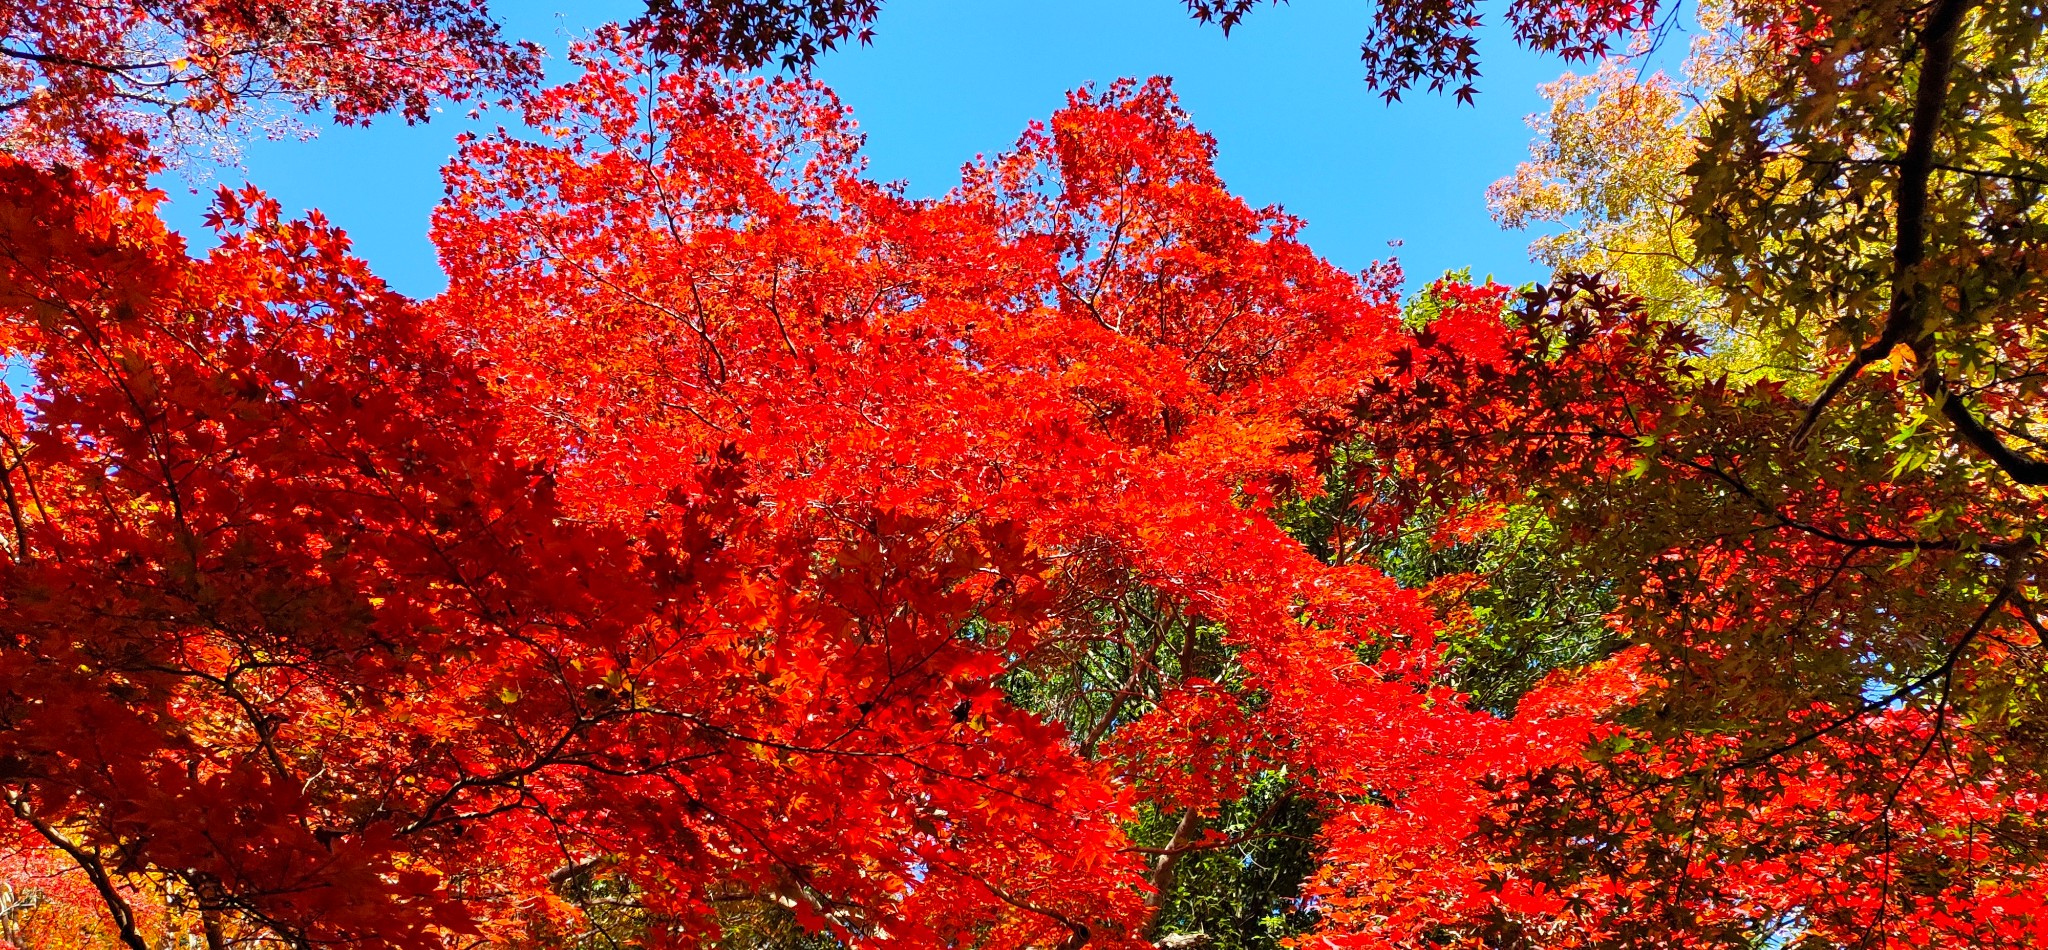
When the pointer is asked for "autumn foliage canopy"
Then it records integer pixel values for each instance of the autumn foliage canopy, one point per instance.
(743, 553)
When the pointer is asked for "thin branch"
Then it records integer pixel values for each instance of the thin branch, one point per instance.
(1913, 688)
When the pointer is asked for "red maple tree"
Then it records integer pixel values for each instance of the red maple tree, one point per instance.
(684, 559)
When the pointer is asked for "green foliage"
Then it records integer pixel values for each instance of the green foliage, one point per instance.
(1109, 667)
(1521, 599)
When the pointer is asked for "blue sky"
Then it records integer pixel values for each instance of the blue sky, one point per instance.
(947, 79)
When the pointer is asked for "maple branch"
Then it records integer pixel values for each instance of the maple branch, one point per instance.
(838, 910)
(2030, 613)
(1265, 818)
(1116, 703)
(1117, 699)
(1219, 843)
(782, 326)
(16, 517)
(980, 781)
(1947, 667)
(1108, 261)
(1162, 874)
(209, 921)
(1988, 173)
(573, 870)
(108, 361)
(1781, 519)
(95, 871)
(1916, 165)
(1077, 932)
(1938, 166)
(430, 816)
(2016, 465)
(58, 59)
(1934, 735)
(702, 327)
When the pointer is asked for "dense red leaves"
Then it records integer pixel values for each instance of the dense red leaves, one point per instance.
(253, 517)
(1409, 865)
(1481, 407)
(82, 77)
(1199, 748)
(1868, 833)
(1083, 364)
(679, 543)
(1090, 350)
(336, 662)
(679, 550)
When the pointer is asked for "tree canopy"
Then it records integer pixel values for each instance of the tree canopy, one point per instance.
(741, 553)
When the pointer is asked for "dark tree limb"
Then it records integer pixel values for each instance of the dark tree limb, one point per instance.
(95, 871)
(1916, 166)
(2018, 466)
